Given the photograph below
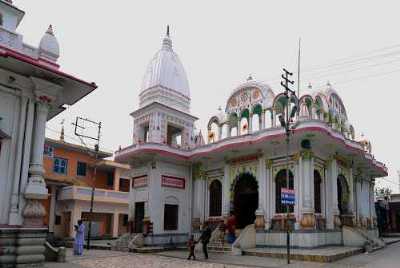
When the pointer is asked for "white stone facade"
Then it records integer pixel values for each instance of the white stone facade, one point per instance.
(32, 90)
(244, 165)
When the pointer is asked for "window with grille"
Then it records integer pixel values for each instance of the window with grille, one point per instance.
(48, 150)
(60, 165)
(215, 198)
(81, 169)
(170, 217)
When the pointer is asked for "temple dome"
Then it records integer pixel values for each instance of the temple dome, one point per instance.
(166, 70)
(49, 46)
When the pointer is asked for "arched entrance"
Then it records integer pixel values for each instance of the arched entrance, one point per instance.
(245, 199)
(343, 195)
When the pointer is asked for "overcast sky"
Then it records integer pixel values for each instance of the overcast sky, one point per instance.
(220, 43)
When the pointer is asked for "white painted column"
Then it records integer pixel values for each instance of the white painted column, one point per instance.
(332, 193)
(261, 185)
(115, 224)
(262, 124)
(14, 218)
(307, 180)
(225, 192)
(52, 210)
(250, 123)
(268, 195)
(351, 190)
(36, 188)
(298, 188)
(261, 179)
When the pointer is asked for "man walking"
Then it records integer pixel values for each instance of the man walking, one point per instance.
(205, 239)
(79, 238)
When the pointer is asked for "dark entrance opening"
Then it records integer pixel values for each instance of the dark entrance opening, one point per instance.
(245, 200)
(139, 216)
(343, 195)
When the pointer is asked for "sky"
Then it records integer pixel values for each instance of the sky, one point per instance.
(354, 45)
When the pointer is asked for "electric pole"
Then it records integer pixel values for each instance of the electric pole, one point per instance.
(96, 152)
(286, 121)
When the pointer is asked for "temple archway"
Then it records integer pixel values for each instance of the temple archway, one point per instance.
(215, 208)
(343, 195)
(245, 199)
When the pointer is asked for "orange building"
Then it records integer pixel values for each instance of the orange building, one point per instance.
(69, 175)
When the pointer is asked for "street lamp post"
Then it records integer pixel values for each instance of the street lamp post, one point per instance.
(286, 122)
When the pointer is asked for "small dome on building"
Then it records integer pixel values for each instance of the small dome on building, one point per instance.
(166, 70)
(49, 46)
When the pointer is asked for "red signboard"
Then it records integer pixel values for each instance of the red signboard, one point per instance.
(173, 182)
(140, 181)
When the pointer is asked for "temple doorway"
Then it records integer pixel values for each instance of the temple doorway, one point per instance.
(245, 199)
(343, 195)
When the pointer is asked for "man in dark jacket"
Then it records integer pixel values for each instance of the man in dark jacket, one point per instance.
(205, 239)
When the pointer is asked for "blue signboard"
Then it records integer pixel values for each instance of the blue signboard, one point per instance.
(287, 196)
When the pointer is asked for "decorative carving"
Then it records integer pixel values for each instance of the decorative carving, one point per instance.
(269, 163)
(308, 221)
(307, 154)
(260, 221)
(33, 213)
(337, 222)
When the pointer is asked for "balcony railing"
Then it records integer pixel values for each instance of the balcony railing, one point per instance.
(100, 195)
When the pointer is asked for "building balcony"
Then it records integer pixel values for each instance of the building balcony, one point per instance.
(100, 195)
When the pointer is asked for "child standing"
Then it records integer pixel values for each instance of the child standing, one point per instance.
(191, 245)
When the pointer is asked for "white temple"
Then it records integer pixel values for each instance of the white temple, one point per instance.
(180, 182)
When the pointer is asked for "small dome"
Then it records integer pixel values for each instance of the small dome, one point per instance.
(49, 44)
(166, 70)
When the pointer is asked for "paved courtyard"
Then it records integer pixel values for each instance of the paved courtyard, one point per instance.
(388, 257)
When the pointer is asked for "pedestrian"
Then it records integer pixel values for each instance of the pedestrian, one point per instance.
(79, 238)
(231, 226)
(191, 245)
(205, 239)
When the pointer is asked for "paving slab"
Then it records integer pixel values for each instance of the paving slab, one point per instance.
(325, 254)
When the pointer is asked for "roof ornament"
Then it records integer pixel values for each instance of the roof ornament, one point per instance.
(167, 42)
(50, 30)
(328, 84)
(309, 85)
(250, 77)
(220, 108)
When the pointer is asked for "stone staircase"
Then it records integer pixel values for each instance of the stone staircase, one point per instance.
(370, 242)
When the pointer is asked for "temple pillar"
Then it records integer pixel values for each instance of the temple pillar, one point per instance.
(36, 188)
(262, 120)
(307, 185)
(333, 215)
(250, 123)
(269, 209)
(226, 192)
(260, 212)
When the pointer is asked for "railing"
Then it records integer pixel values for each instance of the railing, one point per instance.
(84, 193)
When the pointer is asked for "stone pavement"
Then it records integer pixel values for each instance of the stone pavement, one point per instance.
(386, 258)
